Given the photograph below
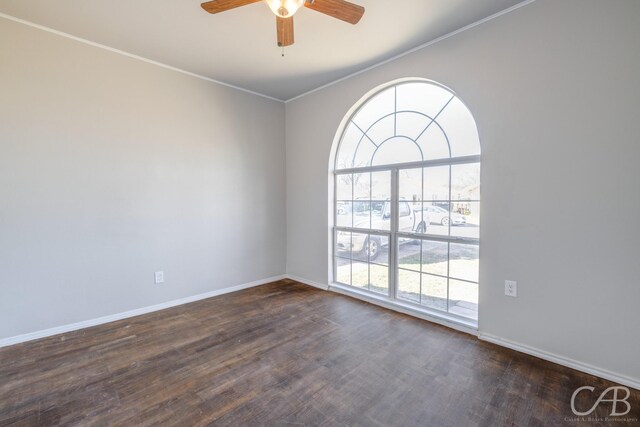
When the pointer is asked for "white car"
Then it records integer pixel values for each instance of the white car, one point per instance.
(377, 216)
(438, 215)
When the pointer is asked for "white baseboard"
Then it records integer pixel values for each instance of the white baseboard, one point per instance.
(308, 282)
(564, 361)
(551, 357)
(131, 313)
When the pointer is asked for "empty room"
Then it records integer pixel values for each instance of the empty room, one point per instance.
(320, 213)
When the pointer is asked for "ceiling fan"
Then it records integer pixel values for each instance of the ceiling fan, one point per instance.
(285, 9)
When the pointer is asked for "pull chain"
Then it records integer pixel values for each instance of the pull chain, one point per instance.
(283, 51)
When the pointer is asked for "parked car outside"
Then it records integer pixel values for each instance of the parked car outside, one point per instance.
(377, 216)
(438, 215)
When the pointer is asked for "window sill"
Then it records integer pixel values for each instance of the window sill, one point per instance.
(468, 326)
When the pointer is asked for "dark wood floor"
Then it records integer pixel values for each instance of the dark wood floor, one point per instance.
(283, 354)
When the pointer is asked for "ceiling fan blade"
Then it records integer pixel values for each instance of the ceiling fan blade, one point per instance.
(339, 9)
(285, 31)
(217, 6)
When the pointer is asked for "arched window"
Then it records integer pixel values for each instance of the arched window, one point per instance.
(407, 200)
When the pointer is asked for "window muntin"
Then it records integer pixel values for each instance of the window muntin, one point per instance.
(407, 173)
(416, 121)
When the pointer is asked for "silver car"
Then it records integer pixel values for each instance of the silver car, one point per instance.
(438, 215)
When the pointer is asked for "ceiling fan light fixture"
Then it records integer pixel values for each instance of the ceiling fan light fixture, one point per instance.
(285, 8)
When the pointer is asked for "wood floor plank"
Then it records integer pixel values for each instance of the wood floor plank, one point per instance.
(284, 354)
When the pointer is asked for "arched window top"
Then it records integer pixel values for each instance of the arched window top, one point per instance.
(410, 121)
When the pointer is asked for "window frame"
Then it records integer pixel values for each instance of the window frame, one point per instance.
(394, 235)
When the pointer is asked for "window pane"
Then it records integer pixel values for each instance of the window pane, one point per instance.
(421, 219)
(359, 247)
(361, 204)
(360, 274)
(434, 292)
(343, 267)
(465, 182)
(381, 185)
(381, 215)
(379, 278)
(380, 208)
(434, 257)
(364, 153)
(407, 221)
(378, 106)
(347, 148)
(362, 214)
(411, 124)
(436, 183)
(371, 248)
(424, 97)
(463, 299)
(433, 143)
(382, 130)
(464, 262)
(343, 244)
(383, 257)
(343, 187)
(362, 186)
(437, 216)
(409, 255)
(404, 209)
(409, 285)
(468, 213)
(458, 124)
(344, 213)
(397, 150)
(410, 181)
(410, 190)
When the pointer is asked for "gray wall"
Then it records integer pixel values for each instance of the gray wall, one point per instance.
(112, 169)
(554, 89)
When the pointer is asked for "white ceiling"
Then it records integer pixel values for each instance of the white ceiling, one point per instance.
(238, 47)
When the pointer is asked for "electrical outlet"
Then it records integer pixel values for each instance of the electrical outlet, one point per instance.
(159, 277)
(510, 288)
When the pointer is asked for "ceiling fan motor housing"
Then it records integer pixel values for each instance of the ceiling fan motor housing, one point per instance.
(283, 11)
